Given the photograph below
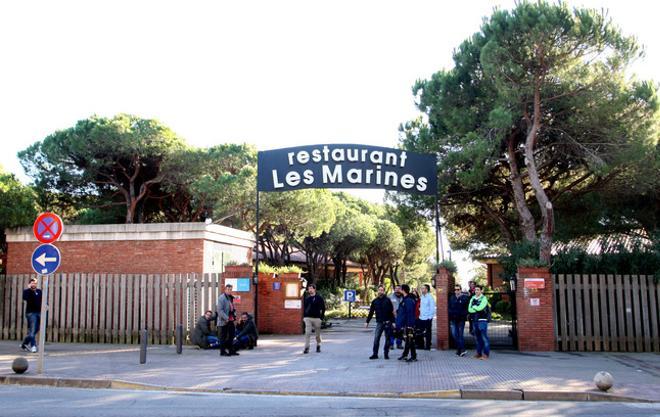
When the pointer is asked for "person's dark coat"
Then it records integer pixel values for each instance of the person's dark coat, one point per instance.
(383, 308)
(201, 330)
(405, 316)
(458, 307)
(248, 329)
(314, 307)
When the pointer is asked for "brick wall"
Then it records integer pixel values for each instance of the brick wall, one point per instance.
(444, 285)
(120, 256)
(273, 317)
(535, 322)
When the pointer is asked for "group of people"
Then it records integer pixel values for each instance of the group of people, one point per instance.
(472, 307)
(233, 333)
(403, 316)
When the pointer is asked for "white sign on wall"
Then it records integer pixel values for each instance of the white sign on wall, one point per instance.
(293, 304)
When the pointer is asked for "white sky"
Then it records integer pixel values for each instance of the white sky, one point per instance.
(270, 73)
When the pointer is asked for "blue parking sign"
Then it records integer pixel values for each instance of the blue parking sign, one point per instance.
(350, 295)
(46, 259)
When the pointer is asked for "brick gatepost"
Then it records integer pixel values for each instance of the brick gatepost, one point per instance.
(534, 307)
(280, 304)
(444, 284)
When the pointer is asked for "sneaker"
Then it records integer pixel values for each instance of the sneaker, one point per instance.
(318, 349)
(463, 353)
(477, 356)
(457, 353)
(401, 358)
(373, 357)
(411, 360)
(25, 348)
(33, 349)
(306, 350)
(223, 353)
(484, 357)
(234, 354)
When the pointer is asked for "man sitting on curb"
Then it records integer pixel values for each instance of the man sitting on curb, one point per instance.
(247, 333)
(202, 336)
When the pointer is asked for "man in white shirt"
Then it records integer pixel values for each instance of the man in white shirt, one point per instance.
(426, 314)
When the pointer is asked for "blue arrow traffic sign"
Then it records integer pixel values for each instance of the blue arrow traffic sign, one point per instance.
(46, 259)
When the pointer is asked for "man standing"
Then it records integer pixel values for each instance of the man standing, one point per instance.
(396, 299)
(226, 321)
(426, 313)
(32, 300)
(313, 315)
(479, 312)
(382, 306)
(458, 310)
(405, 318)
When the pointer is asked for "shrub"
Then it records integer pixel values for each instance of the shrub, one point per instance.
(448, 265)
(502, 307)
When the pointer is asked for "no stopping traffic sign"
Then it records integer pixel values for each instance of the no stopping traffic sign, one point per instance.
(48, 227)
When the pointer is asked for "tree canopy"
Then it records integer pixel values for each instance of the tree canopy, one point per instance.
(121, 160)
(535, 115)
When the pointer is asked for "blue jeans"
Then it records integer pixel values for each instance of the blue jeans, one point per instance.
(380, 328)
(33, 328)
(481, 337)
(213, 341)
(457, 329)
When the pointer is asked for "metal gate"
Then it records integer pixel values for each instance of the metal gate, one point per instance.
(502, 331)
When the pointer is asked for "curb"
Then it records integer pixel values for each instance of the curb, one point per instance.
(466, 394)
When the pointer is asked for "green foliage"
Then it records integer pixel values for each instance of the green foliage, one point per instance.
(617, 259)
(18, 206)
(449, 265)
(502, 307)
(282, 269)
(104, 161)
(595, 125)
(525, 252)
(17, 202)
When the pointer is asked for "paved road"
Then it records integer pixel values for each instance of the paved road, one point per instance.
(18, 401)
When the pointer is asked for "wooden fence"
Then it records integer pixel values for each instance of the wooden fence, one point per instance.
(617, 313)
(106, 308)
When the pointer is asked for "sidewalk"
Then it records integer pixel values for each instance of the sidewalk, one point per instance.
(343, 367)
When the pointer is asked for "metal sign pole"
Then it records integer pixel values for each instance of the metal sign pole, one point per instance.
(256, 268)
(42, 324)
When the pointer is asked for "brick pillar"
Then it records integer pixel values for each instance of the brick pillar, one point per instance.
(279, 313)
(444, 284)
(534, 308)
(246, 303)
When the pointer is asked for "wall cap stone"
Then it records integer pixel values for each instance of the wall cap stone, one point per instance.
(148, 231)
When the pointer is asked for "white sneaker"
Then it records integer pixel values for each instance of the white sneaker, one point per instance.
(33, 349)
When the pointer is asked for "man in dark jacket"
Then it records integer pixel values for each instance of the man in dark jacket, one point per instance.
(247, 333)
(458, 311)
(202, 336)
(405, 318)
(32, 299)
(313, 316)
(384, 310)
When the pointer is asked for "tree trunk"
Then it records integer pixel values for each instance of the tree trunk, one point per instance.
(525, 216)
(545, 205)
